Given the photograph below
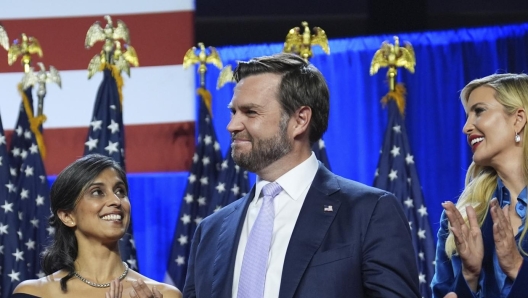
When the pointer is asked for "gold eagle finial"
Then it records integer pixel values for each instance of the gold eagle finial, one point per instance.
(42, 77)
(301, 43)
(123, 59)
(393, 56)
(107, 34)
(116, 48)
(225, 76)
(202, 58)
(25, 47)
(4, 40)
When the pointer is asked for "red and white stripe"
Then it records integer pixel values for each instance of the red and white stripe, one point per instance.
(159, 97)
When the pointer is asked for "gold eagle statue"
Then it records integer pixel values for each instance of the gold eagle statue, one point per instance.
(31, 78)
(4, 40)
(226, 76)
(96, 63)
(202, 58)
(301, 43)
(107, 34)
(25, 47)
(116, 48)
(41, 77)
(121, 59)
(393, 56)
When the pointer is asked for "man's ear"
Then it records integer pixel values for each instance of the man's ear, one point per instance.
(302, 118)
(520, 120)
(67, 218)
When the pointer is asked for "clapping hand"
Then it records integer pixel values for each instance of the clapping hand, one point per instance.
(510, 260)
(140, 290)
(468, 241)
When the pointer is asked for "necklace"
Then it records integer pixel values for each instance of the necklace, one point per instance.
(106, 285)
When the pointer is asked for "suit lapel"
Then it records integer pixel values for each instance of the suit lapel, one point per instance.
(310, 229)
(228, 238)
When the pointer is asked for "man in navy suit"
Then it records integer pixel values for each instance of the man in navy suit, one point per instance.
(329, 236)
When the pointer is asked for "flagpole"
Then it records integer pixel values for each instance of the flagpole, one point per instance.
(396, 170)
(106, 133)
(28, 194)
(25, 47)
(199, 192)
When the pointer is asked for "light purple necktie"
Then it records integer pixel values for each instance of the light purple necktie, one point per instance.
(255, 261)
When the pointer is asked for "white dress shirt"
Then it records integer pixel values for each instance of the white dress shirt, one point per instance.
(295, 184)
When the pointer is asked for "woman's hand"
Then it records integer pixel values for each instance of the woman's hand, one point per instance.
(510, 259)
(141, 290)
(468, 241)
(116, 289)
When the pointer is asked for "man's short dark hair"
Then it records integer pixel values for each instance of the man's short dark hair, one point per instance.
(301, 85)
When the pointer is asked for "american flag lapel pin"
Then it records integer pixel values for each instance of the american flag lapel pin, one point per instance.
(328, 208)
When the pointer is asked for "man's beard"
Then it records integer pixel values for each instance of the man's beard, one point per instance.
(264, 152)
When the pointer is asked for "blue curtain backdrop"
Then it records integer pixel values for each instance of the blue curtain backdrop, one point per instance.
(446, 61)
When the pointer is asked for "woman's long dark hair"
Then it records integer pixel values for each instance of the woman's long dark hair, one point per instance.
(65, 191)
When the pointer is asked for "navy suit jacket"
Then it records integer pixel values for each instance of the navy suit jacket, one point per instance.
(362, 248)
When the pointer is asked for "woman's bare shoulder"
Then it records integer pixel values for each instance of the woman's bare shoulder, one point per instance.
(30, 286)
(39, 287)
(168, 291)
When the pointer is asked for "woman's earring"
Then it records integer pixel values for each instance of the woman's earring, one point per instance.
(517, 137)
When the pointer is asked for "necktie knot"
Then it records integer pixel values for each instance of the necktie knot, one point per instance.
(271, 190)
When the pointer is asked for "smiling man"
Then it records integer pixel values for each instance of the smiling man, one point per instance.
(302, 231)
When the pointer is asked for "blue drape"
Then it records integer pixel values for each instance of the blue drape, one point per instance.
(446, 61)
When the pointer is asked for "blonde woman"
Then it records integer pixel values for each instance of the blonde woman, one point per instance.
(482, 244)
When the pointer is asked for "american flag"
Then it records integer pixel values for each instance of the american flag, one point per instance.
(4, 163)
(69, 111)
(200, 188)
(397, 174)
(106, 136)
(319, 150)
(26, 209)
(232, 184)
(20, 141)
(4, 182)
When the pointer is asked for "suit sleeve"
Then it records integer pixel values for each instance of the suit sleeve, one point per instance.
(448, 272)
(189, 290)
(389, 262)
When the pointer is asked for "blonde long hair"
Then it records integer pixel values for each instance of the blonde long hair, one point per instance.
(511, 90)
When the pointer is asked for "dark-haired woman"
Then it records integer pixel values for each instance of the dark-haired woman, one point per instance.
(90, 213)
